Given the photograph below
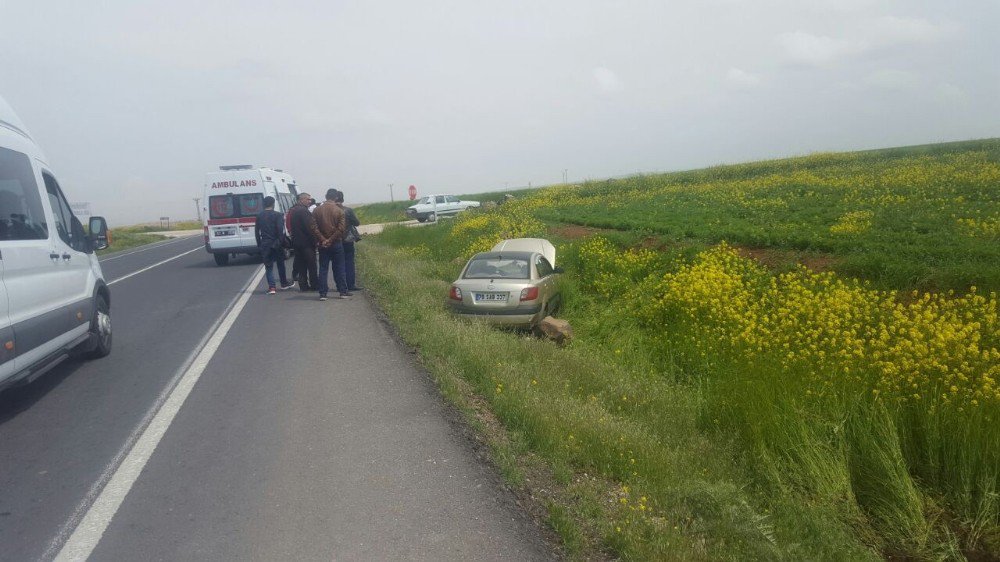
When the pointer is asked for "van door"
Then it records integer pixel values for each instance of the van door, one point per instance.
(6, 332)
(35, 290)
(75, 273)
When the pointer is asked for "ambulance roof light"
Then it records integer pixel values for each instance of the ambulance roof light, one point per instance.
(236, 167)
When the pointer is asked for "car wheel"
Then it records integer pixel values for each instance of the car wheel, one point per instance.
(432, 217)
(100, 328)
(221, 259)
(421, 220)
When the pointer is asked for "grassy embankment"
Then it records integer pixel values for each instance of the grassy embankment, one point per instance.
(125, 237)
(721, 401)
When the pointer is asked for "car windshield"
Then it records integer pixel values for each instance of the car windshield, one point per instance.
(497, 268)
(424, 201)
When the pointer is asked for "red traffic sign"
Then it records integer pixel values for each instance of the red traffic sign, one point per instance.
(413, 192)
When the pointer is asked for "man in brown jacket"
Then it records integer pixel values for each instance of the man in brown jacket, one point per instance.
(332, 226)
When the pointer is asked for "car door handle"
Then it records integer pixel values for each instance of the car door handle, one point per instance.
(67, 257)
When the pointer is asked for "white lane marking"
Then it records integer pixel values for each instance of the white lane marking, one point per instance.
(125, 468)
(152, 246)
(147, 268)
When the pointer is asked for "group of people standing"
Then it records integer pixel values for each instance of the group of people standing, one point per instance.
(321, 234)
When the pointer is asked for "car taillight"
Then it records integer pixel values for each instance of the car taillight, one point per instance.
(456, 293)
(529, 293)
(206, 235)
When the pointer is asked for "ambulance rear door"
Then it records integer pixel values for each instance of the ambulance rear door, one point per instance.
(234, 201)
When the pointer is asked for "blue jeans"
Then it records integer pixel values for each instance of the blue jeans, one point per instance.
(272, 256)
(349, 265)
(332, 256)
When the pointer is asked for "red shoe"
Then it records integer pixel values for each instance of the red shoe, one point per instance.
(271, 291)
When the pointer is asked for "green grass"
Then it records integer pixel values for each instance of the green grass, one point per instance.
(157, 227)
(608, 417)
(376, 213)
(127, 237)
(124, 240)
(733, 458)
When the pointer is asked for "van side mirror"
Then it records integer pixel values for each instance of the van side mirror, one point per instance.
(558, 270)
(99, 235)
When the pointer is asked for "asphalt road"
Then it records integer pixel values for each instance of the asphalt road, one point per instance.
(229, 424)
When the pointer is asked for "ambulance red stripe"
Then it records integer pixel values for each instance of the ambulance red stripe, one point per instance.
(217, 222)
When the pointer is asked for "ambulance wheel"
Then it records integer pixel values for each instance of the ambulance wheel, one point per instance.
(221, 259)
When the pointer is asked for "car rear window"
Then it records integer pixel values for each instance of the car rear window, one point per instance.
(235, 206)
(498, 268)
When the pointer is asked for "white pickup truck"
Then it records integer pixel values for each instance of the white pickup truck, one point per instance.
(430, 207)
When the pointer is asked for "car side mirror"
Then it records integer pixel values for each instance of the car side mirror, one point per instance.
(99, 235)
(558, 270)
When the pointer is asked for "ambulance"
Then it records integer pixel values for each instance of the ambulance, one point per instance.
(234, 196)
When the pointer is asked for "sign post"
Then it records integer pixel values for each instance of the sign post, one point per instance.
(167, 219)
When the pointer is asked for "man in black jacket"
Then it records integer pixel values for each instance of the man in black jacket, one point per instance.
(269, 231)
(305, 238)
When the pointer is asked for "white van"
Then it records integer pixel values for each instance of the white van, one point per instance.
(53, 298)
(234, 196)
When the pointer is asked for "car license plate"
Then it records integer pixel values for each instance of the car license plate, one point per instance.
(225, 232)
(491, 297)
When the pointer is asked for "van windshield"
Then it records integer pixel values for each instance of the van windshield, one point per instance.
(235, 206)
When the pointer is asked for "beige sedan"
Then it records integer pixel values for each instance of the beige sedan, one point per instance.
(516, 284)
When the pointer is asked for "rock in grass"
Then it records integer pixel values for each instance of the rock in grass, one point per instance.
(556, 330)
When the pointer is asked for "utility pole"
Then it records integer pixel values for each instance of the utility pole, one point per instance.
(565, 175)
(197, 206)
(391, 198)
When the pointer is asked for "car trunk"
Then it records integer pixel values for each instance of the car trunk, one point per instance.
(492, 295)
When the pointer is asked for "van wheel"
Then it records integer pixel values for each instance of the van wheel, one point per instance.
(221, 259)
(100, 329)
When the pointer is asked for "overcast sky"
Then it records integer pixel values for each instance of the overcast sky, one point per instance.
(133, 102)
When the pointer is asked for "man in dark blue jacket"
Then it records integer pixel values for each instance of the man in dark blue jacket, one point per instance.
(351, 235)
(270, 231)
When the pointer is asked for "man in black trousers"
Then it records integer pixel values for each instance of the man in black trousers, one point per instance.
(305, 237)
(350, 237)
